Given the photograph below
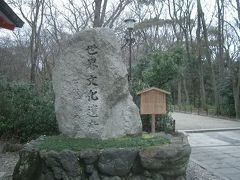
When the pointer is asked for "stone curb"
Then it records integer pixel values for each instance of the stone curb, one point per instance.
(210, 170)
(209, 130)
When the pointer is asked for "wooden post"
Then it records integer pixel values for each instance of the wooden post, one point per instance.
(153, 123)
(174, 125)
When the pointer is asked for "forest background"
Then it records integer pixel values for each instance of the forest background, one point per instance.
(189, 47)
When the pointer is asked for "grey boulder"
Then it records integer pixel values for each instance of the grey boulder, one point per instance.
(117, 162)
(91, 88)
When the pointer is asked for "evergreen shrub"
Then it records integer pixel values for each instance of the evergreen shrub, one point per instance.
(25, 113)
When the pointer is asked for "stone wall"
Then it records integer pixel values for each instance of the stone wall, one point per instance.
(165, 162)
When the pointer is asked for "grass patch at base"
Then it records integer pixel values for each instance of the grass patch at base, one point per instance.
(59, 143)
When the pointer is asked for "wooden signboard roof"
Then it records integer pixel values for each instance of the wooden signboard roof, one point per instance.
(153, 88)
(8, 18)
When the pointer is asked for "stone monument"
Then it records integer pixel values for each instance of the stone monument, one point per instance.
(92, 99)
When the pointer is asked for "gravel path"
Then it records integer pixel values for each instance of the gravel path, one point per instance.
(7, 164)
(194, 171)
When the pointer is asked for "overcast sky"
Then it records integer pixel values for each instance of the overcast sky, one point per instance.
(208, 8)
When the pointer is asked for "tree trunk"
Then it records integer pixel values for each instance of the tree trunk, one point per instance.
(208, 54)
(179, 92)
(35, 20)
(238, 10)
(33, 55)
(236, 93)
(97, 13)
(202, 88)
(220, 39)
(103, 12)
(220, 35)
(199, 58)
(236, 83)
(186, 91)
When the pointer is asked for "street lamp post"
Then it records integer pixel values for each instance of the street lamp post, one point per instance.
(130, 25)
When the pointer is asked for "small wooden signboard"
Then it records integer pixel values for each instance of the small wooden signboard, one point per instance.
(153, 101)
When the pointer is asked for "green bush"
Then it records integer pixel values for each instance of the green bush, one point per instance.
(164, 123)
(157, 69)
(24, 113)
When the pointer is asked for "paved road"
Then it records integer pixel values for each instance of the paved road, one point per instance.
(216, 151)
(193, 122)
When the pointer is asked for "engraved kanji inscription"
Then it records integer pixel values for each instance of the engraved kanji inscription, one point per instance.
(92, 63)
(92, 95)
(92, 49)
(92, 123)
(92, 80)
(92, 110)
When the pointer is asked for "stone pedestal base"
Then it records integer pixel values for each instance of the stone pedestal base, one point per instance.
(167, 161)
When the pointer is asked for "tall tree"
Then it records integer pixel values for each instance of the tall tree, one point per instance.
(220, 55)
(235, 64)
(33, 13)
(100, 12)
(207, 52)
(180, 12)
(199, 56)
(236, 84)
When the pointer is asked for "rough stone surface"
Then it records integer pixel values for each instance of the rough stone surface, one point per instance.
(137, 167)
(28, 165)
(170, 160)
(89, 169)
(61, 165)
(194, 171)
(94, 176)
(41, 165)
(149, 163)
(91, 88)
(111, 178)
(117, 161)
(89, 156)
